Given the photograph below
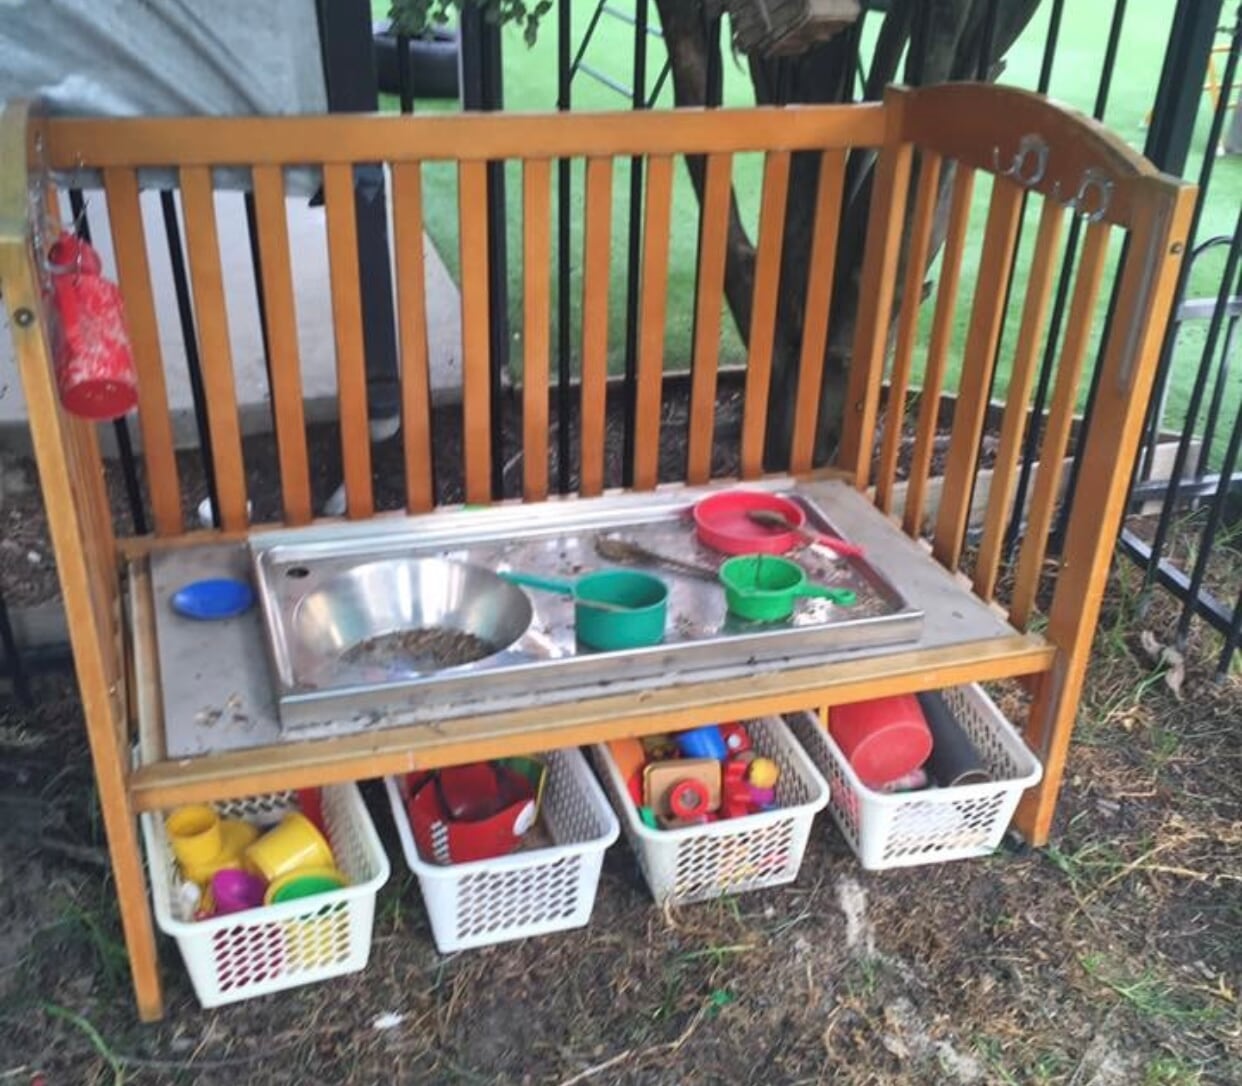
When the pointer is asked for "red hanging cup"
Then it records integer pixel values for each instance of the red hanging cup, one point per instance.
(94, 362)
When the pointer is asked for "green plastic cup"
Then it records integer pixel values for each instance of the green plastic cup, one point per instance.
(765, 587)
(614, 609)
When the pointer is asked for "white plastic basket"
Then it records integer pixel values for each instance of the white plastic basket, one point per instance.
(935, 824)
(696, 863)
(263, 950)
(524, 893)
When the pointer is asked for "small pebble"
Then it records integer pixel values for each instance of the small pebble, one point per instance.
(34, 557)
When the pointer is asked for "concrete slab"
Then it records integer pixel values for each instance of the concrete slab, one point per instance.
(309, 255)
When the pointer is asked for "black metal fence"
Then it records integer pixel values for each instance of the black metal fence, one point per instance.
(1198, 477)
(1209, 479)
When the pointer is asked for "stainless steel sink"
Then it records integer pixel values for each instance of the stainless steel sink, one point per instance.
(326, 589)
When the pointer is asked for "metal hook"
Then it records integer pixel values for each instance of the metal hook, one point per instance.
(1100, 182)
(1081, 203)
(1032, 149)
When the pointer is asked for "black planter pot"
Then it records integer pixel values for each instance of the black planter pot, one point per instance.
(433, 63)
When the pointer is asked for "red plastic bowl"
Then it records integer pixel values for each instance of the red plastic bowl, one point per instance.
(883, 739)
(721, 522)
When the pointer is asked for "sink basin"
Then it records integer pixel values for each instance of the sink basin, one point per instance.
(408, 616)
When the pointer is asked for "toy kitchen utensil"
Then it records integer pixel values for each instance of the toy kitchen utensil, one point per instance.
(213, 599)
(726, 523)
(613, 608)
(615, 549)
(883, 739)
(765, 588)
(771, 519)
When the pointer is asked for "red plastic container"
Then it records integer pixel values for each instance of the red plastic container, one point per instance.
(721, 522)
(883, 739)
(95, 372)
(441, 839)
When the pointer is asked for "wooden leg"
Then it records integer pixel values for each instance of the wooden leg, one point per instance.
(135, 906)
(1048, 730)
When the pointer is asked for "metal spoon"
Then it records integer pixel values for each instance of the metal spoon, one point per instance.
(771, 518)
(625, 550)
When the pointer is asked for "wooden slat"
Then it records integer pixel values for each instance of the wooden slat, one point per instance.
(98, 537)
(407, 221)
(536, 326)
(978, 364)
(713, 241)
(51, 210)
(763, 310)
(650, 367)
(596, 265)
(924, 219)
(148, 699)
(475, 328)
(134, 273)
(1060, 422)
(280, 313)
(351, 378)
(74, 143)
(819, 282)
(1021, 378)
(1144, 301)
(588, 720)
(97, 678)
(875, 299)
(937, 350)
(212, 323)
(87, 542)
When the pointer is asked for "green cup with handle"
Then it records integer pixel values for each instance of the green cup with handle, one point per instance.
(613, 609)
(765, 587)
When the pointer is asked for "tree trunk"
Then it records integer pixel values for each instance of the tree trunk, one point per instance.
(685, 32)
(954, 32)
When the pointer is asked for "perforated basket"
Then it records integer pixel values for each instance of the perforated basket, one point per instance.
(263, 950)
(525, 893)
(935, 824)
(696, 863)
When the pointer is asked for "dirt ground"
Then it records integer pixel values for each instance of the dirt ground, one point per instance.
(1113, 957)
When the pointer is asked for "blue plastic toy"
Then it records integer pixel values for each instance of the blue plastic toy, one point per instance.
(705, 742)
(213, 599)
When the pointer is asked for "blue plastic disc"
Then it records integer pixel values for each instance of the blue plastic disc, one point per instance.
(213, 599)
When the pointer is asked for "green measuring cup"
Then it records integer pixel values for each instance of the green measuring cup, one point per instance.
(613, 609)
(765, 587)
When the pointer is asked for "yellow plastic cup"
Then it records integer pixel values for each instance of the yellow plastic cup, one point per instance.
(293, 843)
(235, 837)
(194, 833)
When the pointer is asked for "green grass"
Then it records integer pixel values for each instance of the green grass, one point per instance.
(530, 85)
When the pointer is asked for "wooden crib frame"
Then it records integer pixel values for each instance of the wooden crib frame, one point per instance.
(1032, 146)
